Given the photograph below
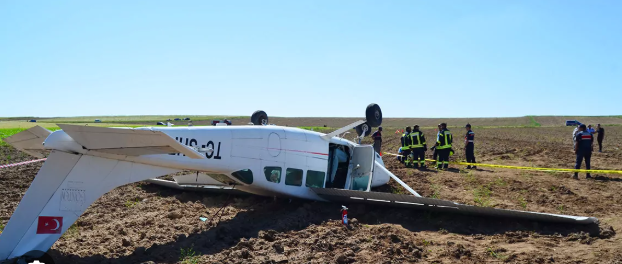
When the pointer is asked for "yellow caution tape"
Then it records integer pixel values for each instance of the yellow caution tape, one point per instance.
(522, 168)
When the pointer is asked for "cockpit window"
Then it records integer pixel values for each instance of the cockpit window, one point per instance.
(273, 174)
(315, 179)
(245, 176)
(293, 177)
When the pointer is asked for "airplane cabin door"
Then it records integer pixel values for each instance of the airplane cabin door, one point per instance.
(362, 164)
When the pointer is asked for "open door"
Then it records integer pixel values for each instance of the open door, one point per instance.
(362, 168)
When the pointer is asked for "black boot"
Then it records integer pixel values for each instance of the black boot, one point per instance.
(468, 167)
(576, 176)
(588, 176)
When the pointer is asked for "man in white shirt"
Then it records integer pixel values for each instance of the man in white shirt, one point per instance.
(574, 134)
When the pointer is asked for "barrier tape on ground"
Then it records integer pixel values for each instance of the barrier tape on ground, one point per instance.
(522, 168)
(21, 163)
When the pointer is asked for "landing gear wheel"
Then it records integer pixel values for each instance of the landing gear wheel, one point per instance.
(373, 115)
(259, 118)
(363, 127)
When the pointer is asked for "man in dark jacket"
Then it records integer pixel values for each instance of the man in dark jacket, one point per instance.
(469, 146)
(601, 135)
(583, 148)
(377, 137)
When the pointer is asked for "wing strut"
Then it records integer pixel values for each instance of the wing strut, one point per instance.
(380, 167)
(341, 130)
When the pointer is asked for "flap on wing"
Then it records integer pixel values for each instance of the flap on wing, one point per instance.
(30, 140)
(127, 141)
(196, 179)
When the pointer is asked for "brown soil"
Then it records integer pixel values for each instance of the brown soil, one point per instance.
(143, 223)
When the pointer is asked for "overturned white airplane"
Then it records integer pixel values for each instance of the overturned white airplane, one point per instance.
(86, 162)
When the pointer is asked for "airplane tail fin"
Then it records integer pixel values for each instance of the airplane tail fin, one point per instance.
(30, 141)
(63, 189)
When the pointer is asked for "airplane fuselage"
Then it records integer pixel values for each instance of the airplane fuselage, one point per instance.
(263, 160)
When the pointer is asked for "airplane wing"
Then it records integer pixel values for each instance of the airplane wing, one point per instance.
(30, 141)
(127, 141)
(422, 203)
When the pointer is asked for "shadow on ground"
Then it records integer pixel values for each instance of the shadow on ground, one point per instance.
(283, 215)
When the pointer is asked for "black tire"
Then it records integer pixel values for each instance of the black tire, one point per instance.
(373, 115)
(259, 118)
(359, 129)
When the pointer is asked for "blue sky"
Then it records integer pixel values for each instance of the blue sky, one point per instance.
(311, 58)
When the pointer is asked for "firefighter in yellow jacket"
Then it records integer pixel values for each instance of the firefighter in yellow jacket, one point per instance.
(406, 145)
(418, 147)
(443, 147)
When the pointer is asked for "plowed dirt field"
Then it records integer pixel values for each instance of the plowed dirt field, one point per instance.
(144, 223)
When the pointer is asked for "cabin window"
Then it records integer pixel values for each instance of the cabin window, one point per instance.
(315, 179)
(273, 174)
(293, 177)
(245, 176)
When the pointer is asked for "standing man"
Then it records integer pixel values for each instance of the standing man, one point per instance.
(574, 136)
(406, 143)
(443, 147)
(583, 148)
(601, 135)
(590, 129)
(418, 147)
(469, 146)
(377, 136)
(434, 152)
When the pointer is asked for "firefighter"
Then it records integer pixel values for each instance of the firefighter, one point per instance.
(434, 152)
(406, 144)
(469, 147)
(583, 148)
(418, 147)
(443, 147)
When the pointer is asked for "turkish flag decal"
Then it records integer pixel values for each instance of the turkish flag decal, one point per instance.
(50, 225)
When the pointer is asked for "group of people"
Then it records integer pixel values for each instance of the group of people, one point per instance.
(600, 131)
(583, 141)
(414, 146)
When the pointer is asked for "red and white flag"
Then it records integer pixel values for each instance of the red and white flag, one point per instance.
(50, 225)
